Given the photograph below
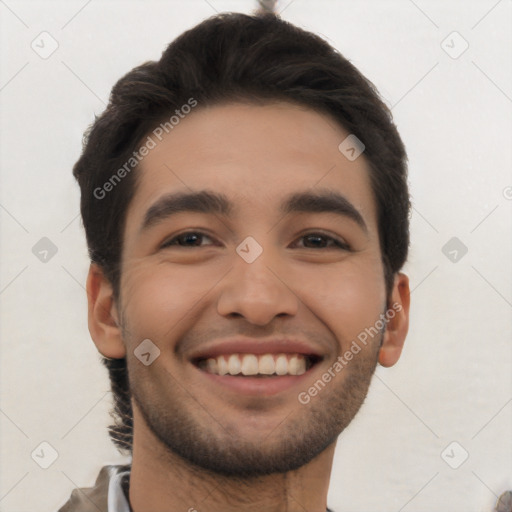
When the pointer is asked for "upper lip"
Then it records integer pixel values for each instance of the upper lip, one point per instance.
(255, 346)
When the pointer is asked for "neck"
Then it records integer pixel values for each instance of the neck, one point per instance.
(161, 481)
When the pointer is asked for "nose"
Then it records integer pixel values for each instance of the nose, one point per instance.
(257, 291)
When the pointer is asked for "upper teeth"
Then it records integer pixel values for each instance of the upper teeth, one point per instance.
(251, 364)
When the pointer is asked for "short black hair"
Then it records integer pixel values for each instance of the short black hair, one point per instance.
(231, 57)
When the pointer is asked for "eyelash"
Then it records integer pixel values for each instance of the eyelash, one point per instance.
(338, 243)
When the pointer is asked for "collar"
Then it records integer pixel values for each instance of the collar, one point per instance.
(116, 499)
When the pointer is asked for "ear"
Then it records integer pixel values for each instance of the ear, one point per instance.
(102, 315)
(398, 324)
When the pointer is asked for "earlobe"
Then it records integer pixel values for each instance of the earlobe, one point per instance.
(102, 315)
(398, 324)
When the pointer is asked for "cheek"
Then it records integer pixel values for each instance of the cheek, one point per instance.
(158, 298)
(348, 299)
(161, 301)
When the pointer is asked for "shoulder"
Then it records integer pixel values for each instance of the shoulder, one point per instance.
(94, 499)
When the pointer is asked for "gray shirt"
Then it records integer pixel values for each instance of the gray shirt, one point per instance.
(109, 494)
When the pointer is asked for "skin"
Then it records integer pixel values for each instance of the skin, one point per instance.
(182, 297)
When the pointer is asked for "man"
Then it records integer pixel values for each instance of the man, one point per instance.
(246, 209)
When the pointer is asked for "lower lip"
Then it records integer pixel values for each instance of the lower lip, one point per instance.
(257, 386)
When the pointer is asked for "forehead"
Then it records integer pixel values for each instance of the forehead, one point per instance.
(254, 154)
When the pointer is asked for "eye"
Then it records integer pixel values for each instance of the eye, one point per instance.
(316, 239)
(187, 239)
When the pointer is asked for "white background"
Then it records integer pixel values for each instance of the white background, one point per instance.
(453, 382)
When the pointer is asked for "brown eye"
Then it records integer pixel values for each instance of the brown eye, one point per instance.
(187, 239)
(321, 241)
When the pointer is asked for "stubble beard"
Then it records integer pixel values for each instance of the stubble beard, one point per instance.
(191, 433)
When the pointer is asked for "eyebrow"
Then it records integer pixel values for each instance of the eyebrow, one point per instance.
(208, 202)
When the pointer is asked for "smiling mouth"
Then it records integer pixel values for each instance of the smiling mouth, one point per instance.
(258, 365)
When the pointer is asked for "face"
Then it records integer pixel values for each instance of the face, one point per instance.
(252, 291)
